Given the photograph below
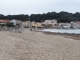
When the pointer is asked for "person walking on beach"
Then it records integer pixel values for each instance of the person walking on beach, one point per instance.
(31, 29)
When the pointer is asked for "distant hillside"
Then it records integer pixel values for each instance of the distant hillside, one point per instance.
(61, 16)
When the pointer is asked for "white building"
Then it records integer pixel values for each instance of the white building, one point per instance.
(53, 22)
(26, 23)
(64, 25)
(75, 24)
(16, 22)
(32, 23)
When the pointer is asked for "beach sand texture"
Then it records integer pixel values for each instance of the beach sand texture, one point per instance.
(30, 45)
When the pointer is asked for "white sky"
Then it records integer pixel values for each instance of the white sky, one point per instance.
(38, 6)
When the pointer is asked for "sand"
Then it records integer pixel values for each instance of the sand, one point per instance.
(30, 45)
(66, 35)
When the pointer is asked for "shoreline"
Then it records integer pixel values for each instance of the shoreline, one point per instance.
(66, 35)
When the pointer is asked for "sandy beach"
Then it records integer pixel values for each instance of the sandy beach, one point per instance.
(30, 45)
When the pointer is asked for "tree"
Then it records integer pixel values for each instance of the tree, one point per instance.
(60, 17)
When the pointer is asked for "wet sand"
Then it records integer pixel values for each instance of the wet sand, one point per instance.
(30, 45)
(66, 35)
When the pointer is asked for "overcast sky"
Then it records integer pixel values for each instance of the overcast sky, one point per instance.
(38, 6)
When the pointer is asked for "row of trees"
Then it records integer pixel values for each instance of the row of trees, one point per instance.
(18, 17)
(60, 17)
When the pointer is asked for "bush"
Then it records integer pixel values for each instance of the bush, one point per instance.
(10, 25)
(33, 27)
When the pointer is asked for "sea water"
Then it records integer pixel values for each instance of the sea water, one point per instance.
(75, 31)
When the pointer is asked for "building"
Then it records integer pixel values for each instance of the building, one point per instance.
(26, 23)
(75, 24)
(37, 24)
(78, 24)
(16, 22)
(64, 25)
(3, 22)
(51, 22)
(33, 23)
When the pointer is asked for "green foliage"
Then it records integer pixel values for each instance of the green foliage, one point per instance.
(60, 17)
(33, 27)
(10, 25)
